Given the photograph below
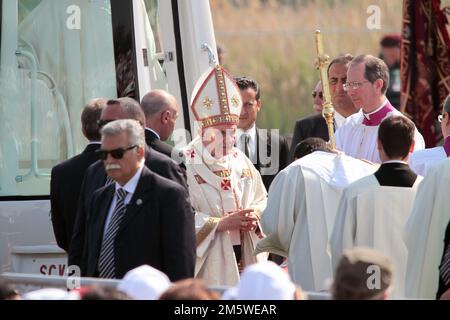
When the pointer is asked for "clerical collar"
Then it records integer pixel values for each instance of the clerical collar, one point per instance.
(94, 142)
(447, 146)
(375, 117)
(156, 133)
(395, 161)
(131, 185)
(251, 132)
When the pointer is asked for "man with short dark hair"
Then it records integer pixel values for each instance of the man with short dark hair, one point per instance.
(367, 81)
(390, 53)
(66, 177)
(373, 210)
(140, 218)
(355, 271)
(315, 125)
(310, 145)
(267, 150)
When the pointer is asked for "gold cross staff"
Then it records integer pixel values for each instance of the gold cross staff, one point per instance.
(321, 63)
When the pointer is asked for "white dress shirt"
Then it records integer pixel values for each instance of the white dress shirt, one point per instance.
(129, 187)
(252, 142)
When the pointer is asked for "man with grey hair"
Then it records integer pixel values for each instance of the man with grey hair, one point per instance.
(95, 177)
(140, 218)
(420, 161)
(64, 195)
(367, 81)
(161, 112)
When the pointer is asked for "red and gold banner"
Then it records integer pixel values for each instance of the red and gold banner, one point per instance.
(425, 65)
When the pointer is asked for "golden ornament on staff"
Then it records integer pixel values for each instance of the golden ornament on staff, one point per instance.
(321, 63)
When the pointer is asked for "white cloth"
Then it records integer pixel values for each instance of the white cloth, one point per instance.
(129, 187)
(424, 233)
(262, 281)
(421, 161)
(360, 141)
(338, 120)
(252, 142)
(300, 213)
(374, 216)
(213, 193)
(144, 283)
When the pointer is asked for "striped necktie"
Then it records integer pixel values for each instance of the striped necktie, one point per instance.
(246, 144)
(444, 268)
(106, 263)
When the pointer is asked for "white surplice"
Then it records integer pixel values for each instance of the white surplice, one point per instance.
(422, 160)
(360, 141)
(300, 213)
(424, 232)
(218, 187)
(374, 216)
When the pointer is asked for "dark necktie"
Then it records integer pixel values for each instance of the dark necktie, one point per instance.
(106, 263)
(444, 268)
(246, 138)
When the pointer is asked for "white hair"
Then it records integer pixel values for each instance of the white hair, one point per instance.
(133, 128)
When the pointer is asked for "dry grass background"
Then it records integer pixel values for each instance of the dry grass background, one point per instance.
(274, 43)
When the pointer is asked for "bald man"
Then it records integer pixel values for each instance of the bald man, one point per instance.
(161, 112)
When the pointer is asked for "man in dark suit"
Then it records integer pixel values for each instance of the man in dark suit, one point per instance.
(141, 218)
(95, 177)
(315, 125)
(161, 112)
(267, 150)
(66, 177)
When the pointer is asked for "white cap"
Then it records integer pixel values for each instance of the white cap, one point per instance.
(51, 294)
(144, 283)
(262, 281)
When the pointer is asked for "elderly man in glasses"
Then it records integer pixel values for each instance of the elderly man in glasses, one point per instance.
(141, 218)
(420, 161)
(367, 81)
(315, 125)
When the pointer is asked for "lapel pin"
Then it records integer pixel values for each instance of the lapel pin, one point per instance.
(139, 202)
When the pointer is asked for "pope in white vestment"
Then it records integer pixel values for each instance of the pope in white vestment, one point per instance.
(224, 185)
(424, 233)
(374, 215)
(357, 137)
(300, 213)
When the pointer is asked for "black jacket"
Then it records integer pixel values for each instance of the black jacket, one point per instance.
(65, 186)
(157, 229)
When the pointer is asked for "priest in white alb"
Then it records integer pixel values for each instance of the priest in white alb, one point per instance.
(367, 81)
(226, 191)
(420, 161)
(301, 209)
(373, 210)
(425, 232)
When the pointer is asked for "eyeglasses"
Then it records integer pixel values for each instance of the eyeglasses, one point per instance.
(353, 85)
(315, 93)
(102, 123)
(116, 153)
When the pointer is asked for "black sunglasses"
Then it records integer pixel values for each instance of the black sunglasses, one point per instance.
(116, 153)
(315, 93)
(102, 123)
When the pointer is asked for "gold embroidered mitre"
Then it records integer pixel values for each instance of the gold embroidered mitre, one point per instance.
(216, 98)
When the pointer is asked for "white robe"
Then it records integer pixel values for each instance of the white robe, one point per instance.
(300, 213)
(425, 231)
(421, 161)
(374, 216)
(216, 262)
(360, 141)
